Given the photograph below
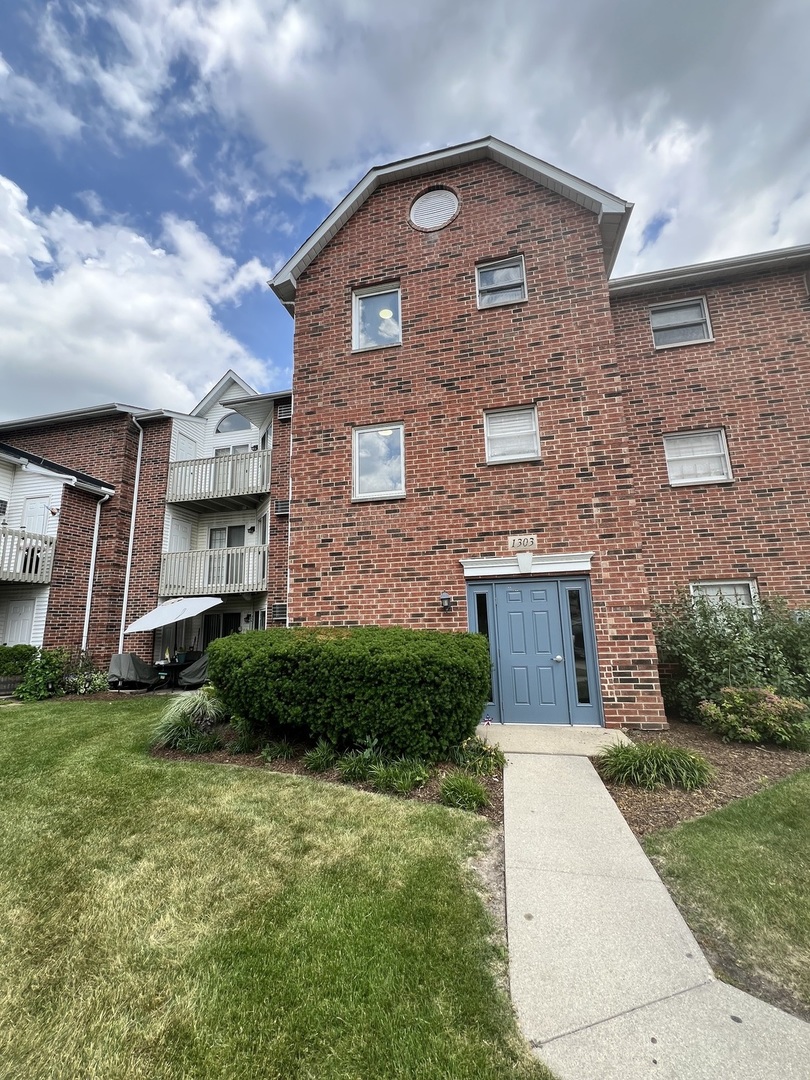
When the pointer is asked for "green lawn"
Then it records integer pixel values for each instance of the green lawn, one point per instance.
(164, 920)
(742, 875)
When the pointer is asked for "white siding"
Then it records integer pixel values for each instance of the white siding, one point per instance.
(178, 513)
(192, 428)
(6, 480)
(30, 485)
(40, 595)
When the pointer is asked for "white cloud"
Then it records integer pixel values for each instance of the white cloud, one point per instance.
(22, 99)
(97, 312)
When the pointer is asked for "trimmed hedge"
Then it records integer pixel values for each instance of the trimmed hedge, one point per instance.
(14, 660)
(417, 692)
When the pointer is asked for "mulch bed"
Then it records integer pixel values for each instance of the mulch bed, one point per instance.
(741, 770)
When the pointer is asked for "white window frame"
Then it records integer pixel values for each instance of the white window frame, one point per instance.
(696, 588)
(692, 480)
(494, 290)
(496, 460)
(376, 496)
(678, 304)
(358, 296)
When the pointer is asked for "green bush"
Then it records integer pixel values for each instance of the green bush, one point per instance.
(478, 757)
(704, 646)
(45, 675)
(463, 792)
(14, 660)
(418, 692)
(755, 714)
(187, 723)
(651, 765)
(278, 750)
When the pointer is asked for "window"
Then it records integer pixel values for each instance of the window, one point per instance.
(233, 422)
(379, 462)
(680, 324)
(375, 318)
(740, 593)
(511, 435)
(501, 282)
(701, 458)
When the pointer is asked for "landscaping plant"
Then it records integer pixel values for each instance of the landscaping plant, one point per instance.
(188, 722)
(478, 757)
(401, 776)
(754, 715)
(278, 750)
(653, 765)
(45, 675)
(463, 792)
(321, 757)
(14, 660)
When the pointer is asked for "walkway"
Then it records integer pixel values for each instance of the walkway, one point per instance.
(606, 978)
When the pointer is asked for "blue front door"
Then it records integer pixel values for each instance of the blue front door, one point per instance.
(542, 649)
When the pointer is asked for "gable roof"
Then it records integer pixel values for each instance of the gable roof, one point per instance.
(24, 460)
(613, 213)
(214, 395)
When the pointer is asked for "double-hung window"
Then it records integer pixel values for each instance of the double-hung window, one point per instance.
(376, 321)
(378, 462)
(680, 324)
(511, 435)
(697, 458)
(501, 282)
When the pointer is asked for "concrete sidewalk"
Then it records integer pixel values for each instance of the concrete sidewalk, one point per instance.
(606, 978)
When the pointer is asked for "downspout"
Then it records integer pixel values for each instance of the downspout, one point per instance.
(94, 552)
(131, 535)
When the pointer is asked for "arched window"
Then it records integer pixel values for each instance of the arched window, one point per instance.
(233, 422)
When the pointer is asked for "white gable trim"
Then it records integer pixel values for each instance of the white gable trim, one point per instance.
(613, 213)
(528, 563)
(216, 393)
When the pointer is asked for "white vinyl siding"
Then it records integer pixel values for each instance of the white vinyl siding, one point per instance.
(511, 435)
(680, 324)
(698, 458)
(740, 593)
(501, 282)
(40, 597)
(378, 462)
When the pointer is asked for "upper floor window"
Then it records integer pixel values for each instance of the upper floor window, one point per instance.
(378, 462)
(511, 435)
(501, 282)
(376, 318)
(698, 458)
(739, 593)
(233, 422)
(681, 323)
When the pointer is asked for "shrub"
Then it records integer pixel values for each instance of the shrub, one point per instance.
(14, 660)
(463, 792)
(45, 675)
(654, 764)
(187, 723)
(278, 750)
(401, 776)
(705, 645)
(755, 714)
(478, 757)
(418, 692)
(321, 757)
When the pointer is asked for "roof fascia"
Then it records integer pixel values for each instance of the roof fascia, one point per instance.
(739, 266)
(93, 412)
(215, 393)
(610, 209)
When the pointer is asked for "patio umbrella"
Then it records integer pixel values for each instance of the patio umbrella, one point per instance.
(173, 611)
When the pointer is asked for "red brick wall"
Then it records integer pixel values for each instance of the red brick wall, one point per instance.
(387, 562)
(278, 527)
(753, 381)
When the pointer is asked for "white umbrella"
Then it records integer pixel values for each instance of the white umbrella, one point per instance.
(173, 611)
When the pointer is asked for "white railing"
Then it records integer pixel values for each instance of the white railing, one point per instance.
(219, 477)
(25, 556)
(214, 571)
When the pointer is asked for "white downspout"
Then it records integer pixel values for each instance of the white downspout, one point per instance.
(86, 630)
(131, 535)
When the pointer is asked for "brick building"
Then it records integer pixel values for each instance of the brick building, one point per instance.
(489, 432)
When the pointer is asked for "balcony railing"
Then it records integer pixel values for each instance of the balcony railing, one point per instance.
(214, 571)
(219, 477)
(25, 556)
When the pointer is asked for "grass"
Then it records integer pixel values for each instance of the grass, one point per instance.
(742, 875)
(169, 920)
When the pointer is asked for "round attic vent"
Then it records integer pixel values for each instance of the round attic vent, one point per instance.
(434, 209)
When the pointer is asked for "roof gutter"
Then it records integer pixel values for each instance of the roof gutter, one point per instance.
(736, 267)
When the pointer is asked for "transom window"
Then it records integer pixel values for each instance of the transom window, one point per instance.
(376, 318)
(378, 456)
(501, 282)
(511, 435)
(699, 458)
(680, 324)
(739, 593)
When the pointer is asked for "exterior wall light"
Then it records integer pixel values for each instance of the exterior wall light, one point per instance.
(446, 601)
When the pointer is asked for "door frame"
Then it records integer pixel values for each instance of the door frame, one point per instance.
(580, 714)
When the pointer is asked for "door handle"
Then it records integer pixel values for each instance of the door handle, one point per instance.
(557, 659)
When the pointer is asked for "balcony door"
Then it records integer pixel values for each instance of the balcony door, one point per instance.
(228, 469)
(226, 567)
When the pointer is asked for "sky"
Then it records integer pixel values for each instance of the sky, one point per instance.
(161, 159)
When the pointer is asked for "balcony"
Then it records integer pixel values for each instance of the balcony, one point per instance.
(235, 481)
(25, 556)
(214, 572)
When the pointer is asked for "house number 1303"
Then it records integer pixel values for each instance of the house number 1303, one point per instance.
(522, 543)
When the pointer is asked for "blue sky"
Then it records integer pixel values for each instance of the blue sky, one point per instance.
(159, 159)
